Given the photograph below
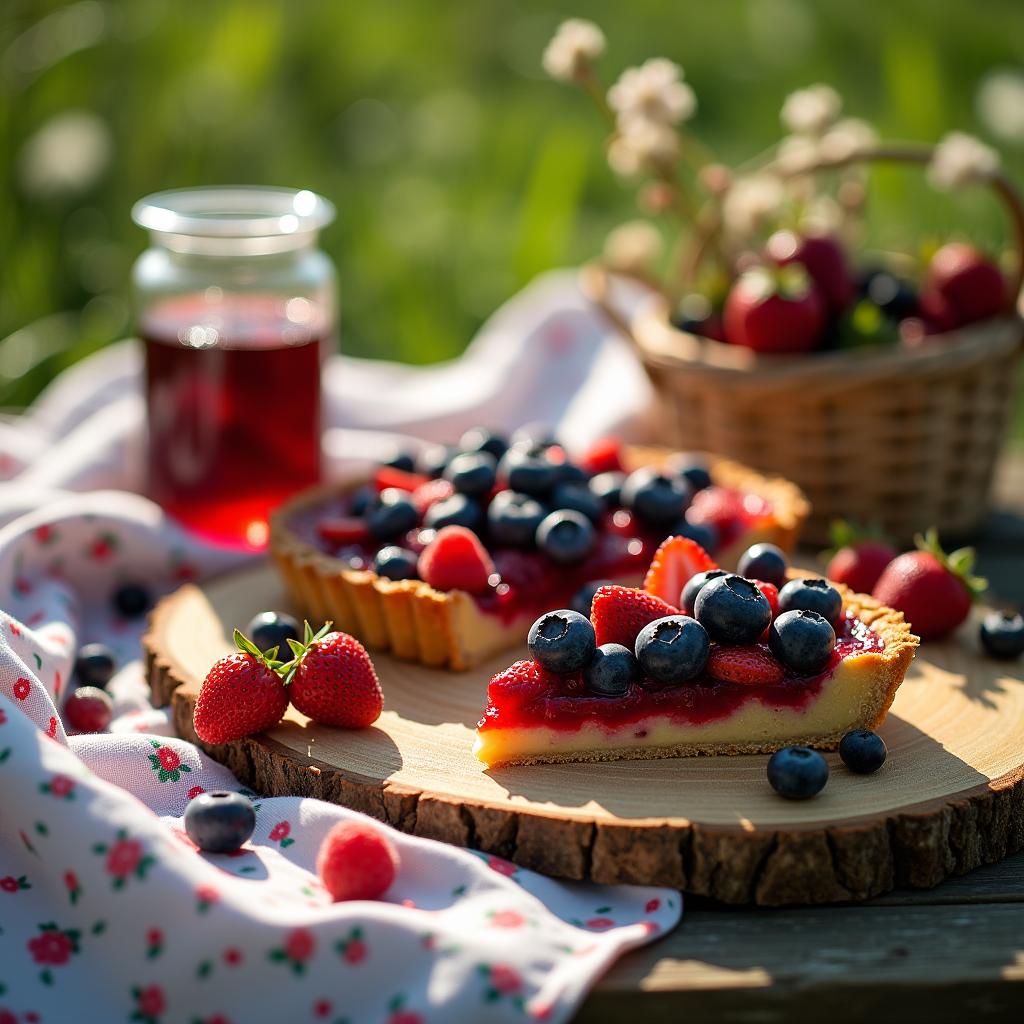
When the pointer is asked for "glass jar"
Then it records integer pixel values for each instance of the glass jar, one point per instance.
(236, 308)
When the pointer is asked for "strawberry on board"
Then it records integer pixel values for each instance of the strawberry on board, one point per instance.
(619, 613)
(858, 558)
(932, 589)
(775, 310)
(674, 563)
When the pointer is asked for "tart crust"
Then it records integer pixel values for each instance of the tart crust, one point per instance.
(446, 629)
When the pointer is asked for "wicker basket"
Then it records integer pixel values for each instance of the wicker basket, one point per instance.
(901, 437)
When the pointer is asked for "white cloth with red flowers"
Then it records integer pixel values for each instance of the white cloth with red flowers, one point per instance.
(107, 910)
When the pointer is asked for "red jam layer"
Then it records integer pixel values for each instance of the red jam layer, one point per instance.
(563, 703)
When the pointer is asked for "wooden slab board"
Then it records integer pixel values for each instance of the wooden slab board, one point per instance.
(949, 798)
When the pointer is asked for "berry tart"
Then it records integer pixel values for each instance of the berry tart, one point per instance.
(447, 558)
(698, 663)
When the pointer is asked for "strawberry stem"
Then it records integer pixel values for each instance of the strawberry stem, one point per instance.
(285, 669)
(960, 562)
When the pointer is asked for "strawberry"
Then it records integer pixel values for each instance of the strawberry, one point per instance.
(673, 564)
(389, 476)
(823, 259)
(619, 613)
(241, 695)
(932, 589)
(774, 311)
(962, 285)
(456, 560)
(750, 666)
(341, 530)
(333, 680)
(430, 493)
(858, 559)
(604, 456)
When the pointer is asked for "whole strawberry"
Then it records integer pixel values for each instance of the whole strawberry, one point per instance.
(932, 589)
(241, 695)
(823, 258)
(334, 682)
(858, 560)
(774, 311)
(962, 286)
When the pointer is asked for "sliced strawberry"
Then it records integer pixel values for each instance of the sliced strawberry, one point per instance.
(749, 666)
(431, 493)
(604, 456)
(388, 476)
(674, 563)
(619, 613)
(343, 530)
(456, 560)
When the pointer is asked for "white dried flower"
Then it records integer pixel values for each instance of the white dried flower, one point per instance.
(633, 248)
(572, 49)
(654, 92)
(961, 159)
(67, 155)
(1000, 104)
(752, 203)
(811, 111)
(643, 147)
(846, 138)
(822, 216)
(796, 153)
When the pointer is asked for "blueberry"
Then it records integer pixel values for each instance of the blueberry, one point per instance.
(566, 536)
(433, 460)
(692, 470)
(533, 435)
(472, 473)
(95, 665)
(813, 595)
(797, 773)
(512, 519)
(891, 294)
(570, 473)
(703, 534)
(732, 610)
(395, 563)
(458, 510)
(219, 822)
(528, 472)
(654, 498)
(132, 600)
(361, 500)
(578, 497)
(479, 439)
(803, 641)
(401, 460)
(672, 649)
(562, 641)
(391, 515)
(273, 629)
(1002, 635)
(764, 562)
(611, 670)
(694, 586)
(862, 751)
(608, 488)
(583, 599)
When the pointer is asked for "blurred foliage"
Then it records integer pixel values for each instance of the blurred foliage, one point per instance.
(458, 170)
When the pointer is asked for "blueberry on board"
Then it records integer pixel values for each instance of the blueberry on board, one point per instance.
(401, 460)
(528, 472)
(512, 519)
(764, 562)
(132, 600)
(797, 773)
(656, 499)
(611, 670)
(562, 641)
(95, 665)
(803, 641)
(219, 822)
(472, 473)
(458, 510)
(273, 629)
(583, 599)
(694, 586)
(607, 487)
(566, 536)
(395, 563)
(703, 534)
(480, 439)
(813, 595)
(433, 460)
(580, 498)
(391, 515)
(673, 649)
(862, 751)
(732, 610)
(1002, 635)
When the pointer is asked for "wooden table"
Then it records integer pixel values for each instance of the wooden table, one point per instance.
(950, 954)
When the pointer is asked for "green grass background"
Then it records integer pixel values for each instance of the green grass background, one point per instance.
(459, 171)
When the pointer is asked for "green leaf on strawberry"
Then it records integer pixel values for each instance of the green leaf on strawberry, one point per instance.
(959, 562)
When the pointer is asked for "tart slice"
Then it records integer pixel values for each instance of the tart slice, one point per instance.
(718, 697)
(550, 528)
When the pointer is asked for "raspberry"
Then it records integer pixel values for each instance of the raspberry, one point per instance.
(357, 861)
(456, 560)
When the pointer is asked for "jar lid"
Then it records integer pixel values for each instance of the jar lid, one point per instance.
(233, 220)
